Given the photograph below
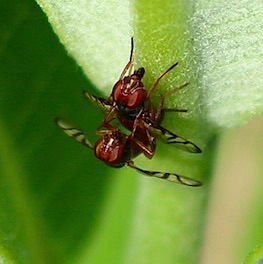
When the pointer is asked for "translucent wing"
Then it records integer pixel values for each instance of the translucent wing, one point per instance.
(102, 103)
(171, 138)
(75, 133)
(172, 177)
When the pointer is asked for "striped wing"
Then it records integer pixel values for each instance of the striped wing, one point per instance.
(75, 133)
(172, 177)
(171, 138)
(102, 103)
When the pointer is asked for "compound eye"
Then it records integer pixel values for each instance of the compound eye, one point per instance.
(112, 155)
(117, 92)
(97, 148)
(129, 95)
(136, 99)
(115, 156)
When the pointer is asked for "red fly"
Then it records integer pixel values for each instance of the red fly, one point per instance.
(117, 149)
(130, 103)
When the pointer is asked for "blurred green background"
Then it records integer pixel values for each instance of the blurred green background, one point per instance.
(47, 207)
(58, 204)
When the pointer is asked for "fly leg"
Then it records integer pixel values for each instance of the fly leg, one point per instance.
(161, 110)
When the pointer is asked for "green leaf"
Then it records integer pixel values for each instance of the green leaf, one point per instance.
(52, 191)
(256, 256)
(61, 205)
(227, 41)
(96, 34)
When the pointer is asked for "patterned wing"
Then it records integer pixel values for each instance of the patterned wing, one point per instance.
(172, 177)
(171, 138)
(102, 103)
(75, 133)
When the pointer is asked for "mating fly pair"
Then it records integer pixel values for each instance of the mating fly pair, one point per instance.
(130, 103)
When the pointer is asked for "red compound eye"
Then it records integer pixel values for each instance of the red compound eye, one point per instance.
(129, 93)
(107, 152)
